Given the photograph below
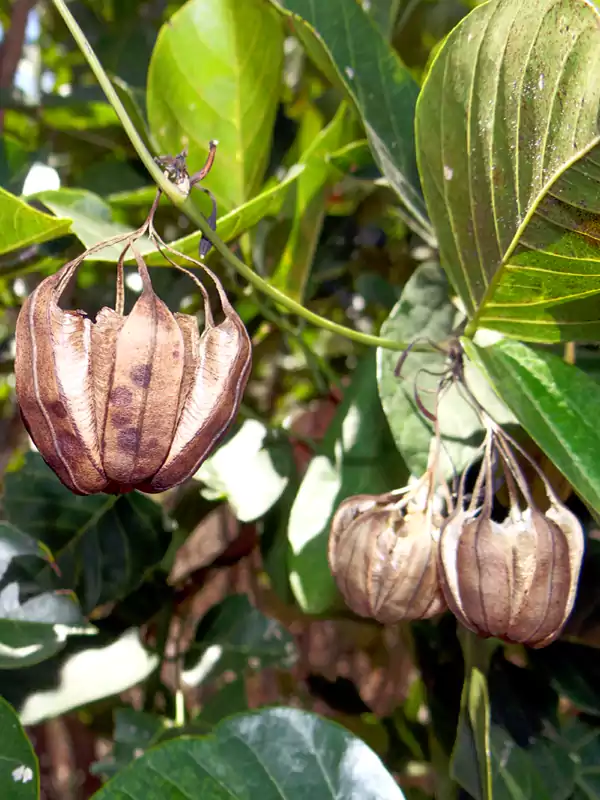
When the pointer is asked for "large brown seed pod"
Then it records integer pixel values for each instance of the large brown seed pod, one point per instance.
(384, 560)
(134, 401)
(514, 580)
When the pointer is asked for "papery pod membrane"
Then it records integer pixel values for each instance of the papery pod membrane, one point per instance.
(138, 364)
(513, 580)
(54, 385)
(346, 513)
(216, 370)
(386, 566)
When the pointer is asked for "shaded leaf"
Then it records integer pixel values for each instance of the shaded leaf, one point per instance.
(251, 471)
(280, 752)
(236, 636)
(87, 670)
(215, 74)
(425, 310)
(574, 671)
(348, 44)
(103, 545)
(134, 732)
(357, 456)
(583, 741)
(553, 401)
(35, 620)
(19, 771)
(509, 154)
(21, 225)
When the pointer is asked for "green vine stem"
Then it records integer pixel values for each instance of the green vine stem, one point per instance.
(181, 202)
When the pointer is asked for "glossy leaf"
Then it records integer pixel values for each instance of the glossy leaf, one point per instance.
(236, 636)
(555, 403)
(348, 44)
(357, 456)
(425, 310)
(215, 74)
(134, 732)
(251, 471)
(509, 154)
(103, 545)
(92, 221)
(19, 771)
(21, 225)
(35, 619)
(293, 270)
(275, 753)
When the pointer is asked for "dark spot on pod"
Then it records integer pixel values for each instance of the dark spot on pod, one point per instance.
(121, 396)
(176, 354)
(57, 409)
(128, 440)
(120, 420)
(141, 374)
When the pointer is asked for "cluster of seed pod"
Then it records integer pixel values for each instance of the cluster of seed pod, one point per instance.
(397, 559)
(132, 401)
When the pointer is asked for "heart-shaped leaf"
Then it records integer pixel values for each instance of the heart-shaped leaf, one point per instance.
(508, 144)
(215, 74)
(19, 771)
(279, 752)
(21, 225)
(103, 545)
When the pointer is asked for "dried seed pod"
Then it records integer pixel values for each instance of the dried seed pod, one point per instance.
(133, 401)
(514, 580)
(384, 562)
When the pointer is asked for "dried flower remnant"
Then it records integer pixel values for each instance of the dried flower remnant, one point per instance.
(516, 579)
(382, 554)
(130, 401)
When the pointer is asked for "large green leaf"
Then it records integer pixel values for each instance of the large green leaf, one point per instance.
(104, 545)
(348, 45)
(357, 456)
(425, 310)
(35, 620)
(251, 471)
(19, 771)
(215, 74)
(574, 671)
(583, 740)
(508, 145)
(555, 402)
(21, 225)
(235, 636)
(271, 754)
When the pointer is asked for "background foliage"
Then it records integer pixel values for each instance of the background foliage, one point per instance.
(398, 167)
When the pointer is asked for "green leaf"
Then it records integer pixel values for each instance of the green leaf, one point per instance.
(583, 741)
(425, 310)
(383, 13)
(554, 402)
(34, 620)
(135, 731)
(357, 456)
(21, 225)
(235, 636)
(574, 671)
(345, 42)
(19, 771)
(294, 267)
(509, 155)
(275, 753)
(104, 545)
(251, 470)
(266, 204)
(87, 670)
(92, 221)
(215, 74)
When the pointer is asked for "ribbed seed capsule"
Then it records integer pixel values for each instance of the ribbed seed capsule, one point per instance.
(134, 401)
(384, 562)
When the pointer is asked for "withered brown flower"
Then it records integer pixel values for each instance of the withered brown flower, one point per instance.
(130, 401)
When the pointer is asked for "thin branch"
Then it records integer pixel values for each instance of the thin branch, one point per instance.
(12, 47)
